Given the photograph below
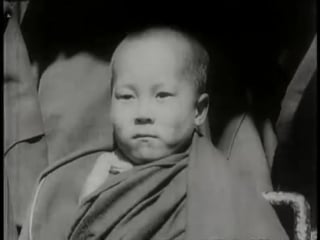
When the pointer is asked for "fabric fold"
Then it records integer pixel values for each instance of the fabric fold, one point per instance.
(193, 195)
(136, 204)
(25, 149)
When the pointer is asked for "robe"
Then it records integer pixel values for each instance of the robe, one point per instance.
(24, 144)
(192, 195)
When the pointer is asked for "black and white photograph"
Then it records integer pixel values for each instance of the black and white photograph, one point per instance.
(153, 122)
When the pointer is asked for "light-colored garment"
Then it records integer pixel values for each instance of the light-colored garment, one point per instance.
(107, 163)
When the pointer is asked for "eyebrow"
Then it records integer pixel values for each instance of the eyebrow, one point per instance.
(154, 87)
(157, 86)
(127, 85)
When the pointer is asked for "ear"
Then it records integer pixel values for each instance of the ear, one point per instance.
(202, 106)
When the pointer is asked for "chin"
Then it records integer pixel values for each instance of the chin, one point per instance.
(148, 155)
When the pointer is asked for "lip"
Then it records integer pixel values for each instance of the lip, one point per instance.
(144, 136)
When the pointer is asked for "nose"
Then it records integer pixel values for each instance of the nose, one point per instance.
(144, 115)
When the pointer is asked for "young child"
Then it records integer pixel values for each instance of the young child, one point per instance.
(162, 180)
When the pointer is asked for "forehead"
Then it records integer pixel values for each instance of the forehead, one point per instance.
(150, 57)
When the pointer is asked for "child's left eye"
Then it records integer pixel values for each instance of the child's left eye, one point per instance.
(164, 95)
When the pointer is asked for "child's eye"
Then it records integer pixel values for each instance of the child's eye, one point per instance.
(164, 95)
(124, 96)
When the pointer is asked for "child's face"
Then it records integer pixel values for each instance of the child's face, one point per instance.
(153, 108)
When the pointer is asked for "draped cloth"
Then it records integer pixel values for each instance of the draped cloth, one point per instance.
(9, 230)
(193, 195)
(25, 148)
(248, 152)
(295, 91)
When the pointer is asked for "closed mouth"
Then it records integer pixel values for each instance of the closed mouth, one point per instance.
(136, 136)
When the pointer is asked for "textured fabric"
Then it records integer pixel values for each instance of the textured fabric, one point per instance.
(185, 196)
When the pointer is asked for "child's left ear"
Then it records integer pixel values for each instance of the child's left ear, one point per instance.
(202, 107)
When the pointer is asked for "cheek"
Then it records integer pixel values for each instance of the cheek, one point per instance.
(120, 112)
(120, 117)
(177, 118)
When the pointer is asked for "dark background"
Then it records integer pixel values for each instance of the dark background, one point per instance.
(255, 49)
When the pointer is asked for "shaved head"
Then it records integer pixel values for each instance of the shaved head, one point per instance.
(193, 58)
